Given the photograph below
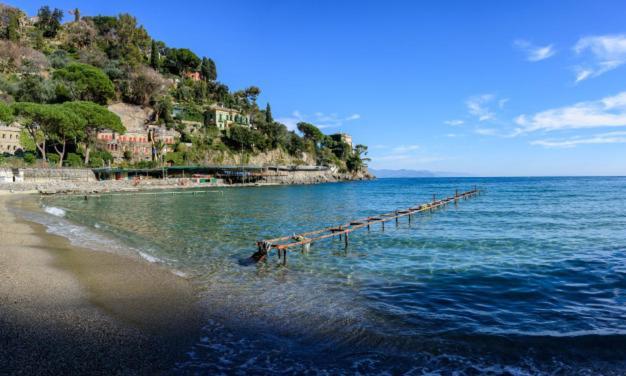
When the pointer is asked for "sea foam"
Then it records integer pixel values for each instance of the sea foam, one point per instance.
(54, 211)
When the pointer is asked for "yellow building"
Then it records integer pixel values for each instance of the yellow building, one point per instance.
(224, 118)
(10, 138)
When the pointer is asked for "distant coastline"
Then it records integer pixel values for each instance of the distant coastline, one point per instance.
(405, 173)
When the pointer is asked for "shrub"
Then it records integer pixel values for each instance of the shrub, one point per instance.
(74, 160)
(53, 159)
(29, 158)
(96, 162)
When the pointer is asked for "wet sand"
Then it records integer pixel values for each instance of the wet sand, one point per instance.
(69, 310)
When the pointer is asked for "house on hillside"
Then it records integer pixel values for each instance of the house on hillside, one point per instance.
(195, 76)
(140, 137)
(140, 143)
(10, 138)
(224, 118)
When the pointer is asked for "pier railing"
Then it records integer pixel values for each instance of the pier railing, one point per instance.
(284, 244)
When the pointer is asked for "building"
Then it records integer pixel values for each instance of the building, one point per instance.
(10, 138)
(140, 137)
(343, 137)
(140, 143)
(195, 76)
(224, 118)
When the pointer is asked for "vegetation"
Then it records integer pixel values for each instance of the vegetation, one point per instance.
(56, 79)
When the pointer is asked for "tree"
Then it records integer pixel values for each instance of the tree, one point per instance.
(245, 138)
(27, 142)
(163, 108)
(50, 122)
(356, 161)
(132, 41)
(310, 132)
(154, 56)
(6, 113)
(181, 60)
(295, 144)
(268, 114)
(97, 118)
(12, 28)
(212, 70)
(85, 82)
(49, 22)
(35, 88)
(143, 85)
(66, 126)
(76, 13)
(158, 147)
(79, 35)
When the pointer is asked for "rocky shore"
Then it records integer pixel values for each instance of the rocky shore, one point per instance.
(79, 184)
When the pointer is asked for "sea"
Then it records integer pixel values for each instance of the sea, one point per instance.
(528, 278)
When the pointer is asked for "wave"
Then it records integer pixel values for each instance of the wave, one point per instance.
(58, 212)
(149, 258)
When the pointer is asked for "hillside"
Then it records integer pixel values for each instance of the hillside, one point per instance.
(61, 83)
(403, 173)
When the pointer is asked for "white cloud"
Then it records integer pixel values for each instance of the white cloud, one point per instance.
(479, 106)
(502, 102)
(606, 112)
(291, 122)
(486, 131)
(605, 53)
(534, 53)
(604, 138)
(319, 119)
(454, 122)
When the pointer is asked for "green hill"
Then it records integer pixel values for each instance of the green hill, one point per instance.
(111, 59)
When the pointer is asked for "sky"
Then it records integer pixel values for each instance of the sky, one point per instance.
(489, 88)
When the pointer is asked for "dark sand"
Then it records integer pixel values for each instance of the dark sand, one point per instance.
(69, 310)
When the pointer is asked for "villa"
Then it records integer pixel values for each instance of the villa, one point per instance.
(139, 142)
(224, 118)
(10, 138)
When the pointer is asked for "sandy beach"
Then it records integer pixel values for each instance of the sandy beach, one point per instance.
(69, 310)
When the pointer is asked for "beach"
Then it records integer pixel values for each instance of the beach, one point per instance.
(66, 309)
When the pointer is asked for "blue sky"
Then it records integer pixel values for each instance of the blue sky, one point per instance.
(482, 87)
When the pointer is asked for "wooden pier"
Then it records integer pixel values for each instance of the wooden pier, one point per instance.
(287, 243)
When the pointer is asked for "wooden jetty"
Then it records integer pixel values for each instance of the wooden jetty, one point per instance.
(305, 239)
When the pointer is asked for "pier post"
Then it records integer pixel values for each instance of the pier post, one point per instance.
(346, 239)
(396, 218)
(383, 222)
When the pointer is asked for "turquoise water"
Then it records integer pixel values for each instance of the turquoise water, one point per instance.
(529, 278)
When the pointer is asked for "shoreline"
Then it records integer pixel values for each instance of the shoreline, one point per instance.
(68, 309)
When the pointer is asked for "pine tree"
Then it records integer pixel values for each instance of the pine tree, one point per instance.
(76, 13)
(212, 70)
(204, 69)
(268, 114)
(154, 55)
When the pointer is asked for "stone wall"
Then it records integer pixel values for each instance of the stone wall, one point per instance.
(46, 175)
